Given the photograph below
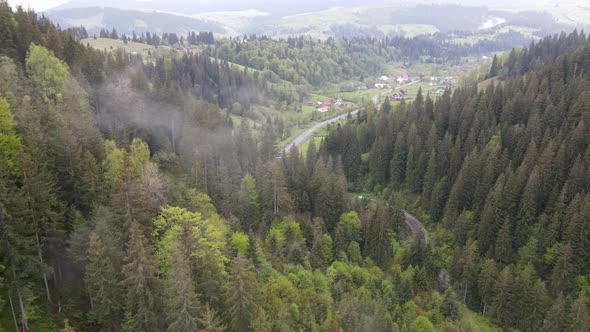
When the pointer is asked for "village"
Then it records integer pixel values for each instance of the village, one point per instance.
(325, 106)
(439, 84)
(402, 87)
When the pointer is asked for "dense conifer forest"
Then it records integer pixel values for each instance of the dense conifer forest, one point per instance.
(131, 201)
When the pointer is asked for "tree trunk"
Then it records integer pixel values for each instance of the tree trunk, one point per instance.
(23, 312)
(173, 133)
(31, 207)
(12, 310)
(47, 292)
(89, 296)
(465, 293)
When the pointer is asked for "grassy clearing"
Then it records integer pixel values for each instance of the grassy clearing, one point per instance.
(305, 145)
(471, 321)
(360, 96)
(109, 45)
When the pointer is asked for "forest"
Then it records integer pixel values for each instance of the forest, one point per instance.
(131, 201)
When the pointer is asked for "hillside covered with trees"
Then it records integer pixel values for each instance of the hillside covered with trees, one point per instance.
(500, 174)
(130, 201)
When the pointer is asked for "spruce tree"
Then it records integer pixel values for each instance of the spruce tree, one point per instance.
(182, 302)
(141, 282)
(243, 295)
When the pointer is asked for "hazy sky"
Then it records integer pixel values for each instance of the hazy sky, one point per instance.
(37, 5)
(41, 5)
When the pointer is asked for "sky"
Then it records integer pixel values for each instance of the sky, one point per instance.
(41, 5)
(37, 5)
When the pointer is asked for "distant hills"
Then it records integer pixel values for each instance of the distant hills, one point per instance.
(317, 18)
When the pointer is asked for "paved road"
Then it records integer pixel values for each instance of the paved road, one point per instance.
(415, 225)
(303, 136)
(411, 221)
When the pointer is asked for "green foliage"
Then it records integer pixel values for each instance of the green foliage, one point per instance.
(347, 230)
(249, 205)
(450, 305)
(10, 145)
(48, 73)
(240, 243)
(103, 271)
(422, 324)
(182, 302)
(243, 295)
(141, 282)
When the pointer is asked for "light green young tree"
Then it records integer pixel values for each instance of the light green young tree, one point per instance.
(49, 74)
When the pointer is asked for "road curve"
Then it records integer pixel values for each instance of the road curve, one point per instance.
(412, 222)
(308, 132)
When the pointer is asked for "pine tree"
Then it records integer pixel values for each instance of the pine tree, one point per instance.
(429, 178)
(502, 305)
(102, 275)
(249, 205)
(182, 302)
(45, 211)
(579, 315)
(450, 305)
(503, 248)
(563, 274)
(140, 281)
(386, 106)
(281, 201)
(311, 157)
(556, 319)
(494, 68)
(243, 295)
(486, 283)
(347, 230)
(209, 321)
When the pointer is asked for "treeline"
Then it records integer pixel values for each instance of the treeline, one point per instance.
(304, 61)
(501, 173)
(438, 47)
(521, 61)
(154, 39)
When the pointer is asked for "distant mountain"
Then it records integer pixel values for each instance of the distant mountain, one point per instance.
(318, 18)
(128, 20)
(191, 7)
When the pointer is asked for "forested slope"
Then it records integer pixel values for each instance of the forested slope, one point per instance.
(501, 173)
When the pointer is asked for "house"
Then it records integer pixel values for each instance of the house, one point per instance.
(383, 78)
(398, 95)
(403, 79)
(379, 86)
(323, 109)
(440, 90)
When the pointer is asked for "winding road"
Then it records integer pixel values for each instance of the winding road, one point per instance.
(412, 222)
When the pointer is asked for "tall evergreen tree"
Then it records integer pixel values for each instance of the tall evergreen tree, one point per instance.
(243, 295)
(141, 282)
